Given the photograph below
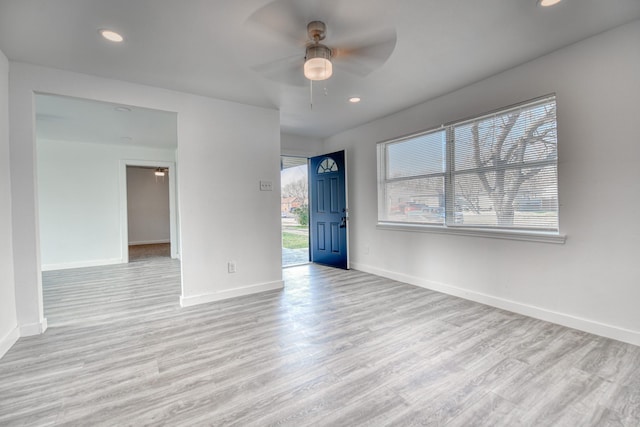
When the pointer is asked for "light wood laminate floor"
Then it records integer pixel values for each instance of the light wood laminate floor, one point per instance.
(336, 348)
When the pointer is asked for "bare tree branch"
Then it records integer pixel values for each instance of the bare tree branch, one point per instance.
(476, 157)
(504, 157)
(505, 130)
(297, 189)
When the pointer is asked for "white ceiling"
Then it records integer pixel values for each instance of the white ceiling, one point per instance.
(60, 118)
(213, 47)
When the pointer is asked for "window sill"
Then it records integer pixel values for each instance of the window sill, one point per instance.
(528, 236)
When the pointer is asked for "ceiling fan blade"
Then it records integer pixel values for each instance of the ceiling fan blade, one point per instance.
(287, 70)
(366, 55)
(289, 18)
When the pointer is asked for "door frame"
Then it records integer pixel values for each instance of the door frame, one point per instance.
(124, 217)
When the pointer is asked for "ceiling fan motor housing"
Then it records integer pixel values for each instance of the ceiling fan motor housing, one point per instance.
(317, 30)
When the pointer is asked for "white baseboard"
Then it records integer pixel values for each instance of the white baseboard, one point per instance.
(230, 293)
(149, 242)
(81, 264)
(586, 325)
(33, 328)
(8, 341)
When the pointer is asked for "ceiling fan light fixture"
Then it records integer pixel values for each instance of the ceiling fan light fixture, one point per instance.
(317, 63)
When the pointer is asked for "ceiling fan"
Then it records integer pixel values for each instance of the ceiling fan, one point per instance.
(341, 39)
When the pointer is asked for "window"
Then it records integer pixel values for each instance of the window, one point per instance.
(497, 171)
(327, 165)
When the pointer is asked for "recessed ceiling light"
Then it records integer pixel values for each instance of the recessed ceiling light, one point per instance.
(122, 109)
(354, 99)
(126, 138)
(547, 3)
(110, 35)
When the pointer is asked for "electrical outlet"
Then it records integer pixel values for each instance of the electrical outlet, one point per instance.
(266, 186)
(231, 266)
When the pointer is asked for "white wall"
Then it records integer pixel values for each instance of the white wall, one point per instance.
(592, 282)
(147, 206)
(79, 201)
(223, 215)
(8, 321)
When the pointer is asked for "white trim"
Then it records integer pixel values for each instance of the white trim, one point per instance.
(150, 242)
(527, 236)
(82, 264)
(230, 293)
(346, 206)
(124, 221)
(8, 341)
(33, 328)
(586, 325)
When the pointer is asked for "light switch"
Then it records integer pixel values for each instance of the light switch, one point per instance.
(266, 186)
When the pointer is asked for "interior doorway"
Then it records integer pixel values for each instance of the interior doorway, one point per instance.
(294, 210)
(83, 150)
(145, 208)
(148, 212)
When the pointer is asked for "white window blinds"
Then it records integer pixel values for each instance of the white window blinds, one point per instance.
(494, 171)
(414, 179)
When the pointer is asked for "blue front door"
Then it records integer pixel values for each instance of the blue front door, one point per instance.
(328, 210)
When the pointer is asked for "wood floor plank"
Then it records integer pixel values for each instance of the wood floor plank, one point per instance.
(489, 410)
(332, 348)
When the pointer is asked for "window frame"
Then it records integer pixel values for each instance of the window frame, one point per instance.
(449, 226)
